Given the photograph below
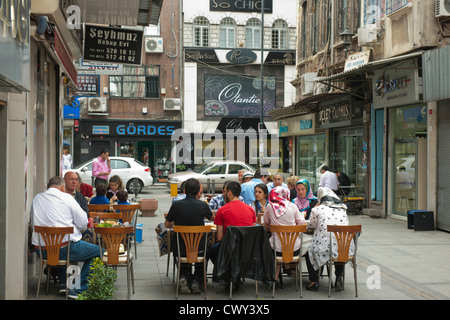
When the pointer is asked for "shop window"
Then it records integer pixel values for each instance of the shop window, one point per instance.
(136, 82)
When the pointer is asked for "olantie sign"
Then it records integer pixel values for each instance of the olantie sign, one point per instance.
(114, 45)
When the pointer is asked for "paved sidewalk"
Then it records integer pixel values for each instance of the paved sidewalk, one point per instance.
(394, 263)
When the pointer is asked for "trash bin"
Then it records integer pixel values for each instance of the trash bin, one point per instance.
(420, 220)
(139, 228)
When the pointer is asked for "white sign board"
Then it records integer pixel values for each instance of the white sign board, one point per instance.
(357, 60)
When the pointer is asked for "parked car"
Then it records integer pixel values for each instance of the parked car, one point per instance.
(219, 171)
(125, 167)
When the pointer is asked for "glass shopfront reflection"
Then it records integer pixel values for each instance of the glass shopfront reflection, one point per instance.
(310, 155)
(409, 143)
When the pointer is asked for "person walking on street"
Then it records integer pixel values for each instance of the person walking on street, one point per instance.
(101, 168)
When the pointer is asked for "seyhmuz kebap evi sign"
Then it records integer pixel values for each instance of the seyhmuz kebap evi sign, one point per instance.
(115, 45)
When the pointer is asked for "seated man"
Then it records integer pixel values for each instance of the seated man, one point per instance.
(248, 188)
(56, 208)
(71, 180)
(189, 212)
(233, 213)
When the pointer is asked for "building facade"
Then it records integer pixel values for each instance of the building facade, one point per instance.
(360, 73)
(224, 59)
(37, 73)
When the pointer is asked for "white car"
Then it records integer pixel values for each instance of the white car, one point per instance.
(219, 171)
(126, 168)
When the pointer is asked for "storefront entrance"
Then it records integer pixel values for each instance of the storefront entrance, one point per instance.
(349, 154)
(409, 159)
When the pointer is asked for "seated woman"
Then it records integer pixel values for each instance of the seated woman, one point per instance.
(281, 211)
(305, 199)
(84, 188)
(115, 184)
(100, 197)
(261, 201)
(330, 211)
(291, 183)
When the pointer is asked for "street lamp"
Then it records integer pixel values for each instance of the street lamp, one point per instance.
(346, 37)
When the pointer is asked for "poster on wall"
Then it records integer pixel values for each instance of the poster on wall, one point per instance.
(228, 95)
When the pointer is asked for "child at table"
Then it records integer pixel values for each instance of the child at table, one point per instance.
(122, 197)
(100, 197)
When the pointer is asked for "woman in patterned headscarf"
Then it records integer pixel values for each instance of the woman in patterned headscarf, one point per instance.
(305, 199)
(281, 211)
(330, 211)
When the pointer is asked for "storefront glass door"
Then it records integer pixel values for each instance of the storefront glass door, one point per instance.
(349, 155)
(408, 137)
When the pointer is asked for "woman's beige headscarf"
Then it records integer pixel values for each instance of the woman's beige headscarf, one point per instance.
(328, 198)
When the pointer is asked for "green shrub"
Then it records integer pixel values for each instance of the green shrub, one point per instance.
(101, 281)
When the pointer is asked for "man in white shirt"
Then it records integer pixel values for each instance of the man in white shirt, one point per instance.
(55, 208)
(329, 179)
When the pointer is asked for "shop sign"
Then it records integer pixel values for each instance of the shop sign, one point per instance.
(396, 86)
(113, 45)
(65, 59)
(241, 56)
(281, 58)
(357, 60)
(240, 5)
(296, 126)
(201, 55)
(336, 114)
(15, 45)
(227, 95)
(144, 130)
(90, 67)
(100, 129)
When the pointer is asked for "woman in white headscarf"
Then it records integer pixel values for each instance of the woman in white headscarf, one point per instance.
(330, 211)
(281, 211)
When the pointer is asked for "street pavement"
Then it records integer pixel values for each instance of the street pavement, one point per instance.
(394, 263)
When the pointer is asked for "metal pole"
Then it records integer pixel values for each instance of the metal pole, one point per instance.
(261, 117)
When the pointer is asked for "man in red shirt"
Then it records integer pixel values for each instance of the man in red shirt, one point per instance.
(233, 213)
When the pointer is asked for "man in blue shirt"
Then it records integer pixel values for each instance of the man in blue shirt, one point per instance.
(248, 188)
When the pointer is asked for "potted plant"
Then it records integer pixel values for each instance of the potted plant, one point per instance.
(148, 207)
(100, 282)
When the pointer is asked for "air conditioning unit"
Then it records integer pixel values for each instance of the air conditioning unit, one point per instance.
(307, 82)
(172, 103)
(97, 104)
(320, 88)
(367, 35)
(153, 45)
(442, 8)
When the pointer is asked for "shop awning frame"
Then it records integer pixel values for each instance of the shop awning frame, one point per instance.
(368, 67)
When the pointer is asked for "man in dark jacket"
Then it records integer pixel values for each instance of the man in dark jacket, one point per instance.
(344, 181)
(189, 212)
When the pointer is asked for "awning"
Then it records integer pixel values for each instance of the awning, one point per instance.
(368, 67)
(304, 106)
